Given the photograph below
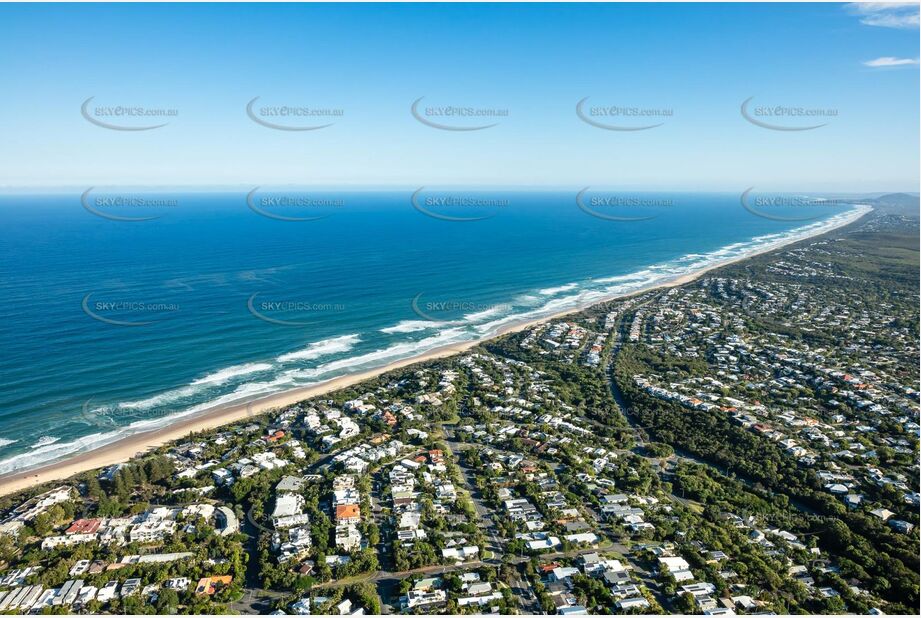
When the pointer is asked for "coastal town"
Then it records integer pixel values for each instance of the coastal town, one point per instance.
(746, 443)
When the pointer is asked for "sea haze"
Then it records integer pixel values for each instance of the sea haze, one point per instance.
(112, 327)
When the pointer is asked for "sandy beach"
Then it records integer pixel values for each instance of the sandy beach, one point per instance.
(130, 446)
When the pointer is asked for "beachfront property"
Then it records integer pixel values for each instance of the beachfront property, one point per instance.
(526, 492)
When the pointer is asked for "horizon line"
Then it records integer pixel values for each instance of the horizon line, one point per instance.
(209, 188)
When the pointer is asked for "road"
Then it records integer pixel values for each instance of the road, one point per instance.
(484, 514)
(521, 587)
(382, 576)
(255, 600)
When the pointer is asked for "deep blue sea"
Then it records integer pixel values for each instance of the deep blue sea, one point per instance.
(112, 327)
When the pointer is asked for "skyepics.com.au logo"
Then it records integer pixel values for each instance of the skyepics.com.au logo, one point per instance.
(622, 117)
(112, 417)
(293, 206)
(447, 311)
(457, 206)
(620, 206)
(289, 312)
(126, 117)
(786, 117)
(126, 206)
(786, 207)
(457, 117)
(293, 117)
(96, 416)
(785, 523)
(116, 310)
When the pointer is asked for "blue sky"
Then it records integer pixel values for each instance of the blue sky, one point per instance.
(534, 60)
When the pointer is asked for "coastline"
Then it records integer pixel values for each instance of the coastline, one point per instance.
(133, 445)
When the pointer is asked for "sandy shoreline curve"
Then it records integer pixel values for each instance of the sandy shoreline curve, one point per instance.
(130, 446)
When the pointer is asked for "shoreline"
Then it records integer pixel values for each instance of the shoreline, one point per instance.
(130, 446)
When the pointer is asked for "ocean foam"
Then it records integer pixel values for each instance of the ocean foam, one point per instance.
(45, 441)
(228, 374)
(397, 351)
(476, 316)
(196, 387)
(638, 275)
(321, 348)
(50, 452)
(525, 299)
(558, 289)
(163, 398)
(411, 326)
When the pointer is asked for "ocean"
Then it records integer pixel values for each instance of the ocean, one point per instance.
(124, 311)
